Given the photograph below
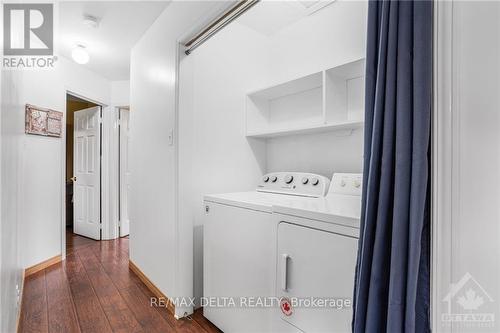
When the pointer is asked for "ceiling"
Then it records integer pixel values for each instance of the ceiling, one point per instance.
(121, 25)
(269, 17)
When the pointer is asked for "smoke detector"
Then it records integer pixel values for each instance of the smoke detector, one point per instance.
(91, 21)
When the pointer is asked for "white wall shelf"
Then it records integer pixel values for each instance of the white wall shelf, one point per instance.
(330, 100)
(341, 126)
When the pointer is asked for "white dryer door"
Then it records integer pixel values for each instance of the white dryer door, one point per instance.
(315, 265)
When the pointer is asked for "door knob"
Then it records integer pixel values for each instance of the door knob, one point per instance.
(73, 179)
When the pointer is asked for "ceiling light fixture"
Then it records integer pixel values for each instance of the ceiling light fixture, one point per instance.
(80, 55)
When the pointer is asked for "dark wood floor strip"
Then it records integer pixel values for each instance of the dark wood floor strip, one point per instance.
(94, 291)
(91, 316)
(118, 313)
(62, 315)
(127, 284)
(34, 318)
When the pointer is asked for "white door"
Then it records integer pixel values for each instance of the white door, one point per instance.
(318, 264)
(87, 173)
(124, 172)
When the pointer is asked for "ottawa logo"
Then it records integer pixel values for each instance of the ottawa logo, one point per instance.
(468, 305)
(286, 306)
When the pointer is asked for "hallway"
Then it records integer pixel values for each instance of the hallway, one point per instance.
(93, 290)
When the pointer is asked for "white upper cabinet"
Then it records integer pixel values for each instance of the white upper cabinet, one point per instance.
(332, 99)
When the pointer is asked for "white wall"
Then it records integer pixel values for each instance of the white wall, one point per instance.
(467, 158)
(120, 93)
(330, 37)
(10, 148)
(158, 245)
(322, 153)
(215, 156)
(42, 158)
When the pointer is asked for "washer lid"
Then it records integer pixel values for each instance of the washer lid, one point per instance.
(336, 208)
(255, 200)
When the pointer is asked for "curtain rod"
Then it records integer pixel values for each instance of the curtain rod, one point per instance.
(219, 23)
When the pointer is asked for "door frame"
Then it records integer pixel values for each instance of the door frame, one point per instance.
(104, 175)
(120, 168)
(109, 173)
(443, 127)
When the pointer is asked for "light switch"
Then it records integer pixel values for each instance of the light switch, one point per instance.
(171, 137)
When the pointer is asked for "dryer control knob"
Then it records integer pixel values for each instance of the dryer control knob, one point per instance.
(315, 181)
(357, 183)
(265, 179)
(305, 180)
(288, 179)
(274, 179)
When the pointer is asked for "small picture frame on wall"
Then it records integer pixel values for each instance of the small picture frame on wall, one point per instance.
(42, 121)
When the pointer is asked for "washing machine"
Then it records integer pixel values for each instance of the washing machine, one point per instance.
(317, 243)
(240, 249)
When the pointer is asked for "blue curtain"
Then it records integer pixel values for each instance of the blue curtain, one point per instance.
(392, 287)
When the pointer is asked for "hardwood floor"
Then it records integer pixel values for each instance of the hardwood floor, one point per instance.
(94, 291)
